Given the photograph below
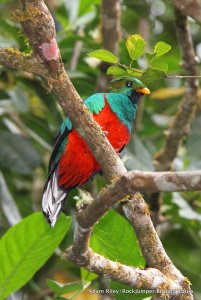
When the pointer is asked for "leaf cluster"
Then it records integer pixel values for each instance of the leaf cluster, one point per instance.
(156, 68)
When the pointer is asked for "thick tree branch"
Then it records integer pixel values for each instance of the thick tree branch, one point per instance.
(134, 181)
(161, 181)
(190, 8)
(39, 27)
(138, 213)
(150, 279)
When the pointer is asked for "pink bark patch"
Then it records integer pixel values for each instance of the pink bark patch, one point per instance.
(50, 50)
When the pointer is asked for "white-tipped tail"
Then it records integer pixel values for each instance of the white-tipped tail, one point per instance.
(53, 199)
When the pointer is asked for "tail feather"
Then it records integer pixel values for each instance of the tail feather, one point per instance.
(53, 199)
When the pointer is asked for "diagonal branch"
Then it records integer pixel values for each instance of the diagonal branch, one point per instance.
(178, 129)
(84, 256)
(138, 213)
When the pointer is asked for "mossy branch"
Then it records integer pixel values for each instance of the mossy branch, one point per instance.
(14, 59)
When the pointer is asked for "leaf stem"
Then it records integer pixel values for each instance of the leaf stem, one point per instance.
(129, 68)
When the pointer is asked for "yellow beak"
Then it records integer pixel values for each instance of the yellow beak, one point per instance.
(144, 91)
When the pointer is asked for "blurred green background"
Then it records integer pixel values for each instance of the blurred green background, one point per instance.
(30, 118)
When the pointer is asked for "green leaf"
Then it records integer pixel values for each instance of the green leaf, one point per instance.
(162, 66)
(25, 248)
(87, 276)
(134, 72)
(135, 45)
(150, 75)
(17, 154)
(104, 55)
(114, 238)
(115, 71)
(161, 48)
(61, 289)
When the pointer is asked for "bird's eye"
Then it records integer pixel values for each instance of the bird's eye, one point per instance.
(129, 83)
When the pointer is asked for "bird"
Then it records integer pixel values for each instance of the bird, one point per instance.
(71, 162)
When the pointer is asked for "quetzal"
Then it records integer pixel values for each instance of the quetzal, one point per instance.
(72, 163)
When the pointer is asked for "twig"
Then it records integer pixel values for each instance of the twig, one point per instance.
(180, 76)
(76, 55)
(77, 51)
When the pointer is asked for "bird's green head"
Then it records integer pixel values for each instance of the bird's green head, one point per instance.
(130, 86)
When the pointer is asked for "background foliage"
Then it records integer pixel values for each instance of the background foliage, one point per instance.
(29, 120)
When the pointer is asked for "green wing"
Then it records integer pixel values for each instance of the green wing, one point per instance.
(95, 103)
